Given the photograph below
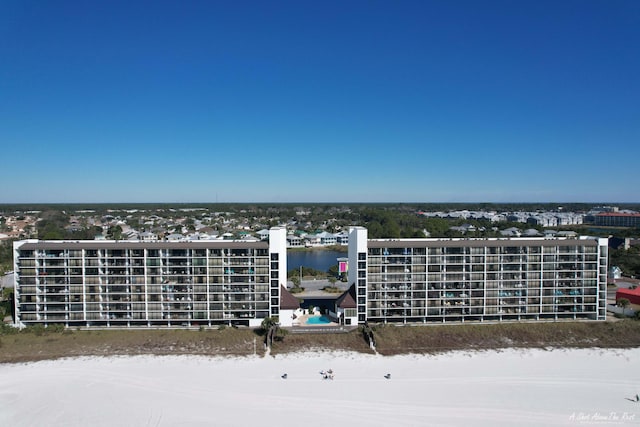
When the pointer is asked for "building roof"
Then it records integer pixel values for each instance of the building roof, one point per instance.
(348, 298)
(287, 300)
(325, 235)
(130, 244)
(629, 291)
(490, 242)
(633, 295)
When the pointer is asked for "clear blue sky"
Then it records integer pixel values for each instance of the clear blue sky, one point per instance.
(319, 101)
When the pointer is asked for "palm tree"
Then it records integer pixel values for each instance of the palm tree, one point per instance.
(268, 322)
(270, 327)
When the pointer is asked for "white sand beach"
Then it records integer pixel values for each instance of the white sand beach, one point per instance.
(513, 387)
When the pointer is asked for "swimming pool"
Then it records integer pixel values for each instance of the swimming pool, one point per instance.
(318, 320)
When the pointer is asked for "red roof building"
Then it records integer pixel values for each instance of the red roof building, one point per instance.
(633, 295)
(287, 300)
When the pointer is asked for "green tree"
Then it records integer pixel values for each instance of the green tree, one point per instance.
(6, 256)
(269, 322)
(333, 270)
(627, 260)
(114, 232)
(623, 303)
(296, 281)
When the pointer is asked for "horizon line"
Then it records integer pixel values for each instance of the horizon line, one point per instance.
(330, 202)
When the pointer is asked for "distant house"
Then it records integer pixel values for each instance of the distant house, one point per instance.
(327, 239)
(148, 236)
(517, 217)
(565, 233)
(511, 232)
(312, 240)
(342, 238)
(132, 235)
(543, 220)
(615, 272)
(294, 241)
(175, 237)
(202, 235)
(263, 234)
(463, 228)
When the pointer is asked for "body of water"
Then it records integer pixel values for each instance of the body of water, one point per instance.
(317, 259)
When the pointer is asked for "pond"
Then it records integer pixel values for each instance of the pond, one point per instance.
(316, 259)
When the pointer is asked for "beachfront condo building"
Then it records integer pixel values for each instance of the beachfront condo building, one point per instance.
(460, 280)
(102, 283)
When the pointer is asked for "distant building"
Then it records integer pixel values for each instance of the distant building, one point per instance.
(148, 236)
(617, 219)
(615, 272)
(633, 295)
(263, 234)
(511, 232)
(327, 239)
(342, 238)
(294, 241)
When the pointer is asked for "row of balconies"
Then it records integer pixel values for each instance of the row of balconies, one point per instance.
(488, 300)
(139, 255)
(127, 273)
(480, 259)
(155, 316)
(150, 280)
(172, 307)
(404, 312)
(121, 290)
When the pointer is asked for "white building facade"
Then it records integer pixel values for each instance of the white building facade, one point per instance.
(206, 283)
(458, 280)
(146, 284)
